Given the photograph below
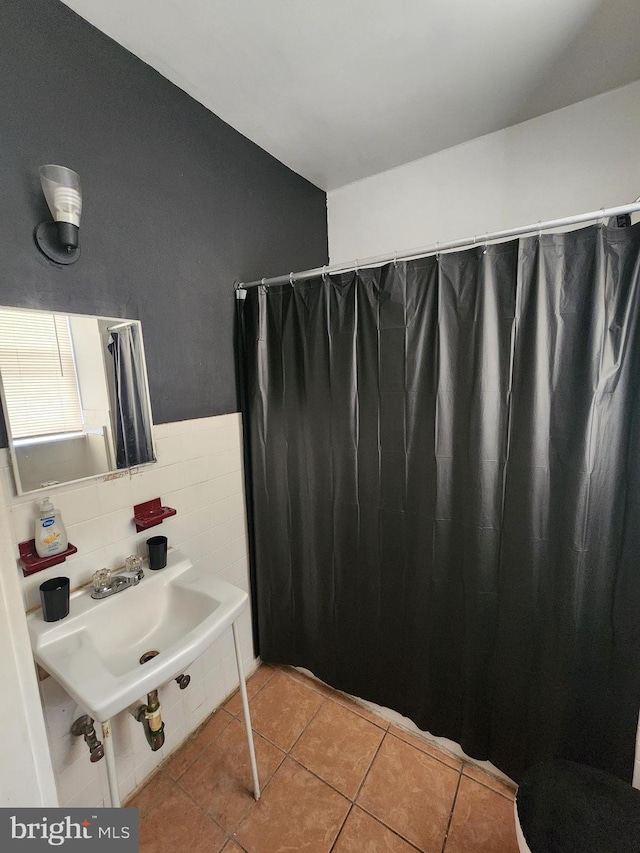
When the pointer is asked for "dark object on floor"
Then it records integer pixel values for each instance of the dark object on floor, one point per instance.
(565, 807)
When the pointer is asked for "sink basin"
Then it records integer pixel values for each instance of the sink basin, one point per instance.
(94, 652)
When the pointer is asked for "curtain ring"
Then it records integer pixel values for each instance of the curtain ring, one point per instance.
(601, 219)
(324, 273)
(395, 258)
(355, 266)
(539, 228)
(437, 250)
(291, 279)
(264, 284)
(486, 242)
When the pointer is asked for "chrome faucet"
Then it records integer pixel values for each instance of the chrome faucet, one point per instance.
(105, 583)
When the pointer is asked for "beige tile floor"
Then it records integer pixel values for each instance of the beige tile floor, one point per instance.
(335, 777)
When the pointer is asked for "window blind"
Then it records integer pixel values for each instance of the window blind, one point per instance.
(38, 374)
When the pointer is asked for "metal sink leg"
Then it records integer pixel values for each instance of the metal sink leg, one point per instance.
(245, 710)
(110, 756)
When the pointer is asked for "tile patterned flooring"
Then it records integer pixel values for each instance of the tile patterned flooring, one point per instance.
(335, 777)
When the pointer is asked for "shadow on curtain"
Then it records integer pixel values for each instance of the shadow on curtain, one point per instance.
(444, 473)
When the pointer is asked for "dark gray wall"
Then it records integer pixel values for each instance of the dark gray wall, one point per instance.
(177, 204)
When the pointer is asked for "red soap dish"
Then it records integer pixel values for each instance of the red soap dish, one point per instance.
(150, 513)
(30, 562)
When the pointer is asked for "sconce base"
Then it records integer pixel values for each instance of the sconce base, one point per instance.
(47, 240)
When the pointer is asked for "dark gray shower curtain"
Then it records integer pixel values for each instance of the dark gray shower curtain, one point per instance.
(131, 415)
(444, 462)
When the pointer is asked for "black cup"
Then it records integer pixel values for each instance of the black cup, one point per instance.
(157, 548)
(54, 597)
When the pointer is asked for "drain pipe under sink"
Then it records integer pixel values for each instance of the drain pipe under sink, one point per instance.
(150, 715)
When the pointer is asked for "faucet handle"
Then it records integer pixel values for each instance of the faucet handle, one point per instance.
(133, 565)
(101, 580)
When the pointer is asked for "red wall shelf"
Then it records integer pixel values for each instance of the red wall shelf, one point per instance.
(30, 562)
(150, 513)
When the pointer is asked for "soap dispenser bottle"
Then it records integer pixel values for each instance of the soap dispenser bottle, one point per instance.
(51, 536)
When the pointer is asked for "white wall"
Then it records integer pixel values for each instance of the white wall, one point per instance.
(574, 160)
(199, 473)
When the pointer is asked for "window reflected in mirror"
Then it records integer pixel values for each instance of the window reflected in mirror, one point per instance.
(75, 396)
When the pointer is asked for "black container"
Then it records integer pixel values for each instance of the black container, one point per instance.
(54, 597)
(157, 548)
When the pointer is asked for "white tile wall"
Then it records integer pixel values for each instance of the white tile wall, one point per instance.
(198, 473)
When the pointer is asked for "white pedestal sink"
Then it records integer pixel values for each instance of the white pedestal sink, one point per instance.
(94, 652)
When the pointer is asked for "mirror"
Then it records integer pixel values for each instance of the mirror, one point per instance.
(75, 396)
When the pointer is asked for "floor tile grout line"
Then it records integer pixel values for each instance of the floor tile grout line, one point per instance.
(277, 745)
(287, 750)
(272, 777)
(352, 703)
(249, 698)
(380, 820)
(268, 740)
(435, 757)
(371, 815)
(346, 817)
(314, 773)
(320, 779)
(509, 797)
(368, 770)
(254, 802)
(397, 835)
(335, 695)
(386, 826)
(187, 795)
(236, 842)
(353, 799)
(453, 806)
(311, 719)
(236, 692)
(263, 788)
(203, 751)
(188, 743)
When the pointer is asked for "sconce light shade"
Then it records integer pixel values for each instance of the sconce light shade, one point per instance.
(59, 239)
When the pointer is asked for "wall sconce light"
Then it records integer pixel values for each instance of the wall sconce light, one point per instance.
(58, 240)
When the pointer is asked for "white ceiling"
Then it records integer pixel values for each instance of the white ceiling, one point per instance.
(343, 89)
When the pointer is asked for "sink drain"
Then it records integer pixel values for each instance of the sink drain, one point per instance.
(148, 655)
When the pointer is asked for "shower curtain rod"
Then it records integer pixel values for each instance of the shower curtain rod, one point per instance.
(436, 248)
(120, 326)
